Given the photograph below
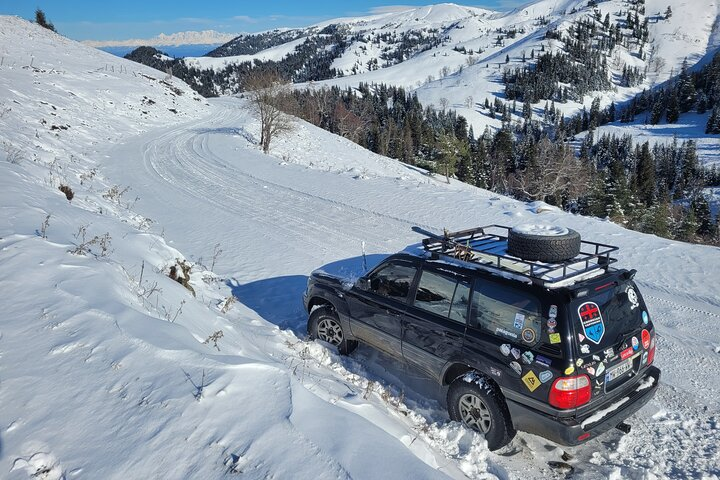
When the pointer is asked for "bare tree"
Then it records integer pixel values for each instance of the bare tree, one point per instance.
(268, 95)
(444, 103)
(552, 174)
(469, 101)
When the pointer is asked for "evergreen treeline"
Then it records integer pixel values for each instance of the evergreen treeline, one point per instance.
(252, 43)
(651, 189)
(311, 61)
(697, 92)
(581, 67)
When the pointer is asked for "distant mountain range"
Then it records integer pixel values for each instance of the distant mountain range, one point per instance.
(205, 37)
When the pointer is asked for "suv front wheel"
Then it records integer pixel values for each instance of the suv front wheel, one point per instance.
(473, 401)
(324, 324)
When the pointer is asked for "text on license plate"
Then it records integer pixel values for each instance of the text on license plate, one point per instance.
(618, 371)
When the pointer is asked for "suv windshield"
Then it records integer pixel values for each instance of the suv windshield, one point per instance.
(608, 317)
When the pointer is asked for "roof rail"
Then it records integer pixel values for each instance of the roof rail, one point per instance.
(484, 248)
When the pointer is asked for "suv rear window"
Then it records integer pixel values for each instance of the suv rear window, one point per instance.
(506, 312)
(604, 319)
(443, 296)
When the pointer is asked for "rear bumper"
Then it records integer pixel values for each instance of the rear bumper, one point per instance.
(573, 430)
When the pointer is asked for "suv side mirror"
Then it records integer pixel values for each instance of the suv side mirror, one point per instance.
(363, 283)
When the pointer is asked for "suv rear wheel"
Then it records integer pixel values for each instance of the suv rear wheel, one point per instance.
(477, 404)
(323, 324)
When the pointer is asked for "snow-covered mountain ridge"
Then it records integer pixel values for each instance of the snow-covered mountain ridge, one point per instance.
(109, 368)
(451, 52)
(204, 37)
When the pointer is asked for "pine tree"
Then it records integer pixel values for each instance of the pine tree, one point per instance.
(42, 21)
(706, 228)
(673, 108)
(713, 124)
(658, 109)
(645, 176)
(527, 110)
(686, 89)
(687, 230)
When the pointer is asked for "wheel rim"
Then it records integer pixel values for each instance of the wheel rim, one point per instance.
(330, 331)
(475, 413)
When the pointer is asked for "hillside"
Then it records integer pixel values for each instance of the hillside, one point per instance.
(110, 369)
(457, 56)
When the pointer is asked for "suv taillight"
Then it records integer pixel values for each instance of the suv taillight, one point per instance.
(651, 352)
(570, 392)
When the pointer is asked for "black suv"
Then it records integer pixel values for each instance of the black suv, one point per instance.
(531, 329)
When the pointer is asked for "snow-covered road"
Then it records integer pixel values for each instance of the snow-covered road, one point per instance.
(204, 183)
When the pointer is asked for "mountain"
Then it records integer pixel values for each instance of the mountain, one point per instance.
(459, 56)
(205, 37)
(113, 369)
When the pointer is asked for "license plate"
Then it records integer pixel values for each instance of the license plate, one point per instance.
(618, 371)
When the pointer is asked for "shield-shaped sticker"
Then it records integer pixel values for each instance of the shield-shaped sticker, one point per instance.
(592, 321)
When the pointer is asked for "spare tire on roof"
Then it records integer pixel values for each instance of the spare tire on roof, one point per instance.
(543, 243)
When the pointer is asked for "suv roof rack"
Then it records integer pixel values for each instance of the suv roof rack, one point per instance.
(482, 248)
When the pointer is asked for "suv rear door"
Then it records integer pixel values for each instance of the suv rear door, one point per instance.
(434, 323)
(508, 338)
(613, 335)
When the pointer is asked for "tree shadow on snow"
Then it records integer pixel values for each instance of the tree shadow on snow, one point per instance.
(279, 300)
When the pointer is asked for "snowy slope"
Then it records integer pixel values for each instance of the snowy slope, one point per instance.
(105, 369)
(440, 73)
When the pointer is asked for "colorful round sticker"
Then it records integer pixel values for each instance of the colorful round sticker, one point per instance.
(528, 335)
(635, 343)
(645, 317)
(646, 339)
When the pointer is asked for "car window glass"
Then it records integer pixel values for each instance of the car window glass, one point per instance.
(393, 281)
(442, 296)
(506, 312)
(461, 300)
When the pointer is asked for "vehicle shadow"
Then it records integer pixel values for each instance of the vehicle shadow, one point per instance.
(279, 300)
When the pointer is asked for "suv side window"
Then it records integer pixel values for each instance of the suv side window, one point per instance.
(393, 280)
(506, 312)
(443, 296)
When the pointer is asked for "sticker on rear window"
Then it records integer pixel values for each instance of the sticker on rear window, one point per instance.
(592, 321)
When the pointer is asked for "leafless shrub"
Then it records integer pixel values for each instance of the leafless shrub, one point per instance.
(180, 272)
(85, 176)
(44, 226)
(198, 394)
(115, 194)
(227, 304)
(216, 253)
(169, 315)
(12, 154)
(101, 244)
(214, 339)
(69, 194)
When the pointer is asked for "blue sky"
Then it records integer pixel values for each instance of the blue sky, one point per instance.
(120, 20)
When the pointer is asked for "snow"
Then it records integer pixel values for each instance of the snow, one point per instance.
(204, 37)
(273, 54)
(108, 367)
(541, 230)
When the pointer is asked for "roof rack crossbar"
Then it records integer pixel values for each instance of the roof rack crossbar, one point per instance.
(481, 248)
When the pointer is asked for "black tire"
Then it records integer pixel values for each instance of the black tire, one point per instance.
(481, 402)
(542, 248)
(324, 324)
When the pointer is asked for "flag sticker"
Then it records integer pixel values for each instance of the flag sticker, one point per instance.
(592, 321)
